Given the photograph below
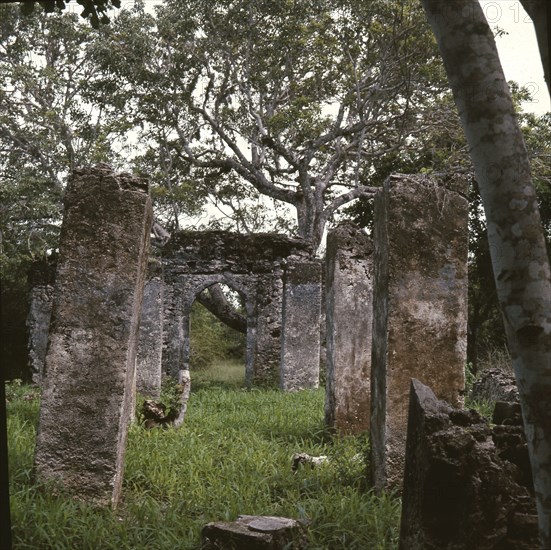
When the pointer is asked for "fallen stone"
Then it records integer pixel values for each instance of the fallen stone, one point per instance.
(254, 533)
(466, 485)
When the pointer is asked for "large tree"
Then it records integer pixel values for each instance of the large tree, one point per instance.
(515, 233)
(299, 101)
(49, 124)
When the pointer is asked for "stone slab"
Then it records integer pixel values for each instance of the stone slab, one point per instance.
(90, 364)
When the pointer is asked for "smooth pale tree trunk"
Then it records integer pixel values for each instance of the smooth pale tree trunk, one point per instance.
(515, 233)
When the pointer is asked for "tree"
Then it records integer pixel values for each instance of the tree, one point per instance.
(300, 101)
(94, 10)
(50, 123)
(515, 233)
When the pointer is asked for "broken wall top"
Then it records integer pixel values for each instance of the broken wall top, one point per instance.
(195, 252)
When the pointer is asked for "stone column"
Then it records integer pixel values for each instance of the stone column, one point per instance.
(419, 307)
(91, 359)
(41, 279)
(349, 319)
(300, 343)
(267, 329)
(150, 343)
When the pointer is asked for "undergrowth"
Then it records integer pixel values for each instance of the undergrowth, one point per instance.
(232, 456)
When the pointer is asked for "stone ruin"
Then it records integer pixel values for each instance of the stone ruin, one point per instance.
(419, 307)
(394, 310)
(89, 369)
(280, 287)
(467, 484)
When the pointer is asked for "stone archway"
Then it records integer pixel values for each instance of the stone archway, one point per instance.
(253, 265)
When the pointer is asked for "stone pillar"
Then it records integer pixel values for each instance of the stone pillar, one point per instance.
(300, 343)
(91, 360)
(466, 484)
(419, 307)
(267, 329)
(349, 310)
(41, 282)
(172, 337)
(150, 343)
(38, 324)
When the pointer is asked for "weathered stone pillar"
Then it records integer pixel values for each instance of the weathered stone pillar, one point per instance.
(300, 344)
(41, 279)
(150, 343)
(91, 359)
(349, 319)
(267, 329)
(419, 307)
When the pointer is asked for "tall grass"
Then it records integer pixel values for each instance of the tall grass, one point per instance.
(232, 456)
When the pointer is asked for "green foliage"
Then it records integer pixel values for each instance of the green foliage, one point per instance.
(211, 340)
(232, 456)
(299, 101)
(95, 10)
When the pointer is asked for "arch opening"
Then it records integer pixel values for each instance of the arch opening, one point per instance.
(219, 330)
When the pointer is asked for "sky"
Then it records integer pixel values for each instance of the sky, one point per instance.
(518, 50)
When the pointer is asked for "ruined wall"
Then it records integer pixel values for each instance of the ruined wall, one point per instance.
(300, 354)
(249, 264)
(88, 383)
(41, 279)
(419, 307)
(467, 484)
(150, 340)
(349, 311)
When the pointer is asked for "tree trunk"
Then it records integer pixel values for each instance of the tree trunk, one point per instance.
(215, 301)
(515, 233)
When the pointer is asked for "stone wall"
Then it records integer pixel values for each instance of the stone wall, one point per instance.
(349, 321)
(419, 307)
(89, 375)
(41, 279)
(250, 264)
(300, 354)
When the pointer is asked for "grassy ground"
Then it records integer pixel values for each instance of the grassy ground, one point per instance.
(232, 456)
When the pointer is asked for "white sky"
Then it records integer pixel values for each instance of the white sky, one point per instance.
(518, 50)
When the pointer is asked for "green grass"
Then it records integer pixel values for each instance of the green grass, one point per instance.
(232, 456)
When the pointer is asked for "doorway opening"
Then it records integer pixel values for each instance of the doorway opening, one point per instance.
(218, 338)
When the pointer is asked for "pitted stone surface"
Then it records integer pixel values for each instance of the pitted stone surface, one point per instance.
(254, 533)
(150, 340)
(90, 363)
(349, 310)
(41, 279)
(300, 354)
(466, 485)
(419, 307)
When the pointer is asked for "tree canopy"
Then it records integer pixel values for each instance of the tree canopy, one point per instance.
(301, 101)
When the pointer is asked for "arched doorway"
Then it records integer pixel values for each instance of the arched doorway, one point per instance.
(218, 337)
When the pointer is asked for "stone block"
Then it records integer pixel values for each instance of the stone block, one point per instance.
(419, 307)
(465, 484)
(349, 310)
(91, 359)
(254, 533)
(300, 344)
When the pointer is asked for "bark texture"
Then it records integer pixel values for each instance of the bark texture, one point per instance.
(515, 233)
